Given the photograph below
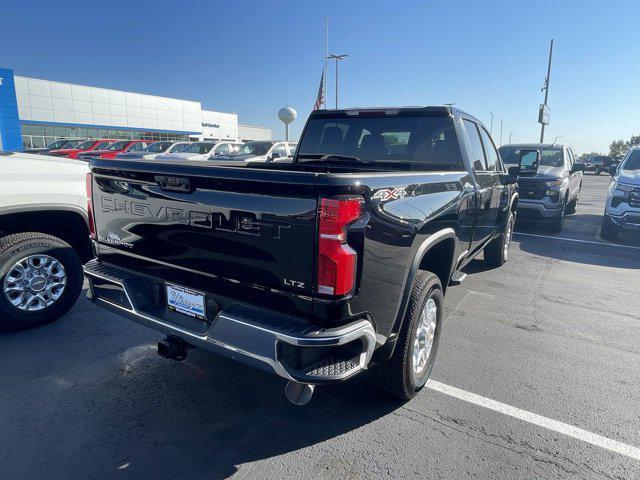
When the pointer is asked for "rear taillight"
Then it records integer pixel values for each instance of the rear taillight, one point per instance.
(92, 225)
(337, 261)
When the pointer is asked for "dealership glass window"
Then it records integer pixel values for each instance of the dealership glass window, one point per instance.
(36, 130)
(38, 135)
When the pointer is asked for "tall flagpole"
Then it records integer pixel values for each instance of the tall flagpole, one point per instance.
(326, 54)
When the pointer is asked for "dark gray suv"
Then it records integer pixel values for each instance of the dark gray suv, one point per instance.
(554, 190)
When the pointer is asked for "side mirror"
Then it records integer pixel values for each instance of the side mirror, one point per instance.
(512, 175)
(529, 161)
(275, 155)
(577, 167)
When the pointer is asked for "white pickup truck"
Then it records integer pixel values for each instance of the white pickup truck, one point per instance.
(44, 237)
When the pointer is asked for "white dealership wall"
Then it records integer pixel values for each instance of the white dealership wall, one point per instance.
(64, 103)
(252, 132)
(57, 103)
(218, 126)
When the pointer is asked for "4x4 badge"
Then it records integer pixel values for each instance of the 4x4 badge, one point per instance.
(390, 193)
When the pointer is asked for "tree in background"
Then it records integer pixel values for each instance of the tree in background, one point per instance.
(619, 147)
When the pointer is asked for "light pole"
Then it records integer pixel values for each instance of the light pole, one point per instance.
(491, 127)
(500, 132)
(546, 93)
(510, 137)
(337, 58)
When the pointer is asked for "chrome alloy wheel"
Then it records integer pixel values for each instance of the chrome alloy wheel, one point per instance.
(507, 238)
(425, 334)
(35, 282)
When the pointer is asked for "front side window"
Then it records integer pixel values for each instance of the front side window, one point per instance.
(178, 148)
(201, 148)
(136, 147)
(491, 154)
(475, 146)
(413, 138)
(280, 149)
(86, 145)
(255, 148)
(157, 147)
(117, 146)
(222, 149)
(58, 144)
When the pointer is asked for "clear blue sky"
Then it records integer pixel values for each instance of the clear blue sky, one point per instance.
(253, 57)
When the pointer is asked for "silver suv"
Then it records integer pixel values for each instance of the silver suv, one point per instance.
(554, 190)
(622, 210)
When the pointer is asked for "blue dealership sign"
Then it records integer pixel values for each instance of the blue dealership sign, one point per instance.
(10, 135)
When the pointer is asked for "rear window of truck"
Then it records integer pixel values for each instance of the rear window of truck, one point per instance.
(429, 141)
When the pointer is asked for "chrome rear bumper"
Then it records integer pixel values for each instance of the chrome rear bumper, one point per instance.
(288, 346)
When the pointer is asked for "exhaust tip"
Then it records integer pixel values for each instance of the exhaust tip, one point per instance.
(299, 393)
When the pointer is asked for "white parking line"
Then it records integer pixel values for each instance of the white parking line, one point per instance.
(593, 242)
(556, 426)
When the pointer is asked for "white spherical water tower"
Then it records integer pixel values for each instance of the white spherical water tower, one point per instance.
(287, 115)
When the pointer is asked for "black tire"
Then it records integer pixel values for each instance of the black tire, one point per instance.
(557, 223)
(607, 231)
(396, 377)
(495, 253)
(19, 246)
(572, 206)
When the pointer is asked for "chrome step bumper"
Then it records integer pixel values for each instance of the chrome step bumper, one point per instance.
(258, 337)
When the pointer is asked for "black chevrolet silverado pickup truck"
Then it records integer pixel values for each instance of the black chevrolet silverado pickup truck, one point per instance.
(315, 269)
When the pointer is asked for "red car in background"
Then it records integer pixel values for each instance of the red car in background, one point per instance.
(119, 146)
(86, 146)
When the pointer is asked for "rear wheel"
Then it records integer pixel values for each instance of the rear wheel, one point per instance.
(408, 370)
(496, 253)
(40, 277)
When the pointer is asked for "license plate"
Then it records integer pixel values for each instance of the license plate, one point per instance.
(186, 301)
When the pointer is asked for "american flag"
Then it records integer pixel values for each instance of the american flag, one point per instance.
(320, 98)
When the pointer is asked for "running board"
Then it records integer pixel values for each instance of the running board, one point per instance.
(457, 277)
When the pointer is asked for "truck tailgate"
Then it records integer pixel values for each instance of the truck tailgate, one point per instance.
(255, 227)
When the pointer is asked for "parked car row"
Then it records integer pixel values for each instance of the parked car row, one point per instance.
(257, 151)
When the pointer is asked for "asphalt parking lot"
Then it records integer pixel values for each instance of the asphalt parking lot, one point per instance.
(536, 377)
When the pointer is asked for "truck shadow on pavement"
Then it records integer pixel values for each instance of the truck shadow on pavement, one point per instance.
(108, 406)
(583, 227)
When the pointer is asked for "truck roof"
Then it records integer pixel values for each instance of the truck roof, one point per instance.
(534, 145)
(444, 109)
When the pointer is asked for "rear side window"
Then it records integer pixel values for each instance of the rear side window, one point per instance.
(491, 154)
(475, 146)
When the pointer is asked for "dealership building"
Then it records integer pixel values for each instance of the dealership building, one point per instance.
(35, 112)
